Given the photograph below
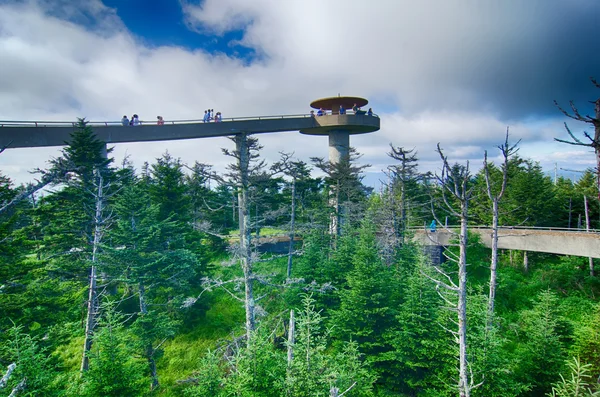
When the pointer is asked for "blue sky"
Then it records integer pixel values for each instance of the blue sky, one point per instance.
(455, 72)
(162, 23)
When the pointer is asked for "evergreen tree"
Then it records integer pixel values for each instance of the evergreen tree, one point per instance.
(168, 190)
(579, 385)
(422, 359)
(34, 373)
(366, 304)
(313, 373)
(530, 197)
(541, 352)
(345, 189)
(151, 257)
(113, 370)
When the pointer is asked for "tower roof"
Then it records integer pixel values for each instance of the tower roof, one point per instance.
(334, 102)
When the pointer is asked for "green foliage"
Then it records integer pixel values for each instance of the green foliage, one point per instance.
(208, 377)
(313, 372)
(530, 197)
(167, 188)
(493, 363)
(33, 366)
(366, 310)
(540, 350)
(113, 369)
(580, 383)
(422, 349)
(586, 344)
(386, 319)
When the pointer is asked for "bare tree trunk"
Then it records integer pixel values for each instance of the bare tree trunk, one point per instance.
(595, 140)
(587, 229)
(525, 262)
(292, 224)
(463, 382)
(570, 210)
(245, 232)
(20, 387)
(92, 304)
(291, 339)
(335, 227)
(455, 182)
(494, 264)
(233, 207)
(507, 151)
(4, 380)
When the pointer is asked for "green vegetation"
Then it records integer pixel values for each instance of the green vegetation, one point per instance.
(369, 320)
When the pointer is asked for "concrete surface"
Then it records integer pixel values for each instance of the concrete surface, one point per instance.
(32, 136)
(550, 241)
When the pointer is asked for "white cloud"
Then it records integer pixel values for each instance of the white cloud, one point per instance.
(434, 71)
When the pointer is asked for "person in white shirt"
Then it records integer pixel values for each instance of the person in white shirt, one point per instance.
(135, 120)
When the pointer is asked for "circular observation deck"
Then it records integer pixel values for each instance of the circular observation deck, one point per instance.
(350, 122)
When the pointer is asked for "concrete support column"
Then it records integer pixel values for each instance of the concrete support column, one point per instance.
(339, 146)
(104, 151)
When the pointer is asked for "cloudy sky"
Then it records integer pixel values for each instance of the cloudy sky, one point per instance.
(458, 72)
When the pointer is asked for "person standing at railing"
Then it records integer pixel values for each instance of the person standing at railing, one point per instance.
(218, 117)
(432, 226)
(342, 109)
(211, 114)
(370, 112)
(125, 121)
(135, 121)
(205, 118)
(160, 120)
(355, 108)
(320, 112)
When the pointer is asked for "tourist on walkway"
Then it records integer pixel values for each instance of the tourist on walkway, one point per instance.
(432, 226)
(135, 121)
(211, 114)
(218, 117)
(320, 112)
(160, 120)
(342, 109)
(355, 108)
(205, 118)
(125, 121)
(370, 112)
(312, 113)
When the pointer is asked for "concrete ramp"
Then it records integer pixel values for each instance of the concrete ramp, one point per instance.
(561, 242)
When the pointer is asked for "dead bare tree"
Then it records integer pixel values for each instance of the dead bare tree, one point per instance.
(587, 229)
(55, 175)
(456, 191)
(594, 142)
(295, 170)
(100, 222)
(495, 195)
(246, 156)
(5, 378)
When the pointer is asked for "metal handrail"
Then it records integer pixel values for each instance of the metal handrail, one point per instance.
(540, 228)
(30, 123)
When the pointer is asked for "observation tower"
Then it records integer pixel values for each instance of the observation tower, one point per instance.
(338, 127)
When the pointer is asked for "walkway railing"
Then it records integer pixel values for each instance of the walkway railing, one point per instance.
(29, 123)
(537, 228)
